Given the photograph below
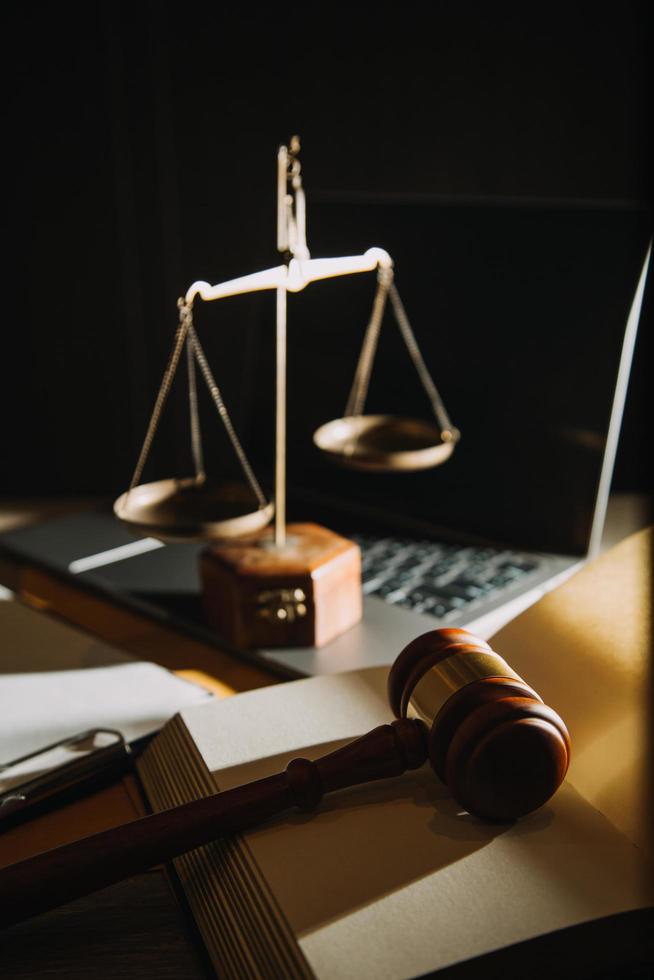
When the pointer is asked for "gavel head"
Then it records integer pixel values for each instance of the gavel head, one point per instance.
(499, 749)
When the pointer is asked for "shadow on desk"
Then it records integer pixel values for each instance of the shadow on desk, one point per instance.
(137, 930)
(133, 929)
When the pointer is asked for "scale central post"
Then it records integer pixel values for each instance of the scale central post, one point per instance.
(299, 585)
(280, 421)
(291, 243)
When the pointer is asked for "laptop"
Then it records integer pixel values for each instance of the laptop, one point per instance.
(526, 315)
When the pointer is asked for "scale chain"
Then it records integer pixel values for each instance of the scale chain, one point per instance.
(185, 323)
(448, 432)
(196, 435)
(224, 414)
(359, 391)
(186, 334)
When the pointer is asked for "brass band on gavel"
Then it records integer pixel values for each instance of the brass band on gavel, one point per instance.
(455, 671)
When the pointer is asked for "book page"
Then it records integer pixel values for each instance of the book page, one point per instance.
(586, 648)
(387, 880)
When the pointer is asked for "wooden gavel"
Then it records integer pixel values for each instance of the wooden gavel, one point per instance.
(488, 736)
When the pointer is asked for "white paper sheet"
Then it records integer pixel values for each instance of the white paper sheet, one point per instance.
(56, 681)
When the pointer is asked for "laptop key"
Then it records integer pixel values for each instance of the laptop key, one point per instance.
(516, 567)
(437, 568)
(432, 607)
(395, 582)
(462, 589)
(423, 594)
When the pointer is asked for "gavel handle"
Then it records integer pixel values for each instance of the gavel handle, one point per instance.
(65, 873)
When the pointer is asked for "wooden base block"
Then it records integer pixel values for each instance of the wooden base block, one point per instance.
(305, 594)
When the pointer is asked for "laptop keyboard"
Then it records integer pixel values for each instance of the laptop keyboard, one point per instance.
(435, 578)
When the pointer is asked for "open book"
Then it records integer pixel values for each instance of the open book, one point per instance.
(392, 879)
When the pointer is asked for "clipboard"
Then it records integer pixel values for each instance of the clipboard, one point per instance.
(53, 770)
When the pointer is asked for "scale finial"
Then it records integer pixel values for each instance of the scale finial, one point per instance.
(291, 204)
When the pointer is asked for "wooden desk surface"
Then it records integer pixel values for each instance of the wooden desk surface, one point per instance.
(137, 928)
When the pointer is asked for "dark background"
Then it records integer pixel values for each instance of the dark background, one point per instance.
(141, 142)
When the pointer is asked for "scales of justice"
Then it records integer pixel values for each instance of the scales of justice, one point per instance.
(289, 584)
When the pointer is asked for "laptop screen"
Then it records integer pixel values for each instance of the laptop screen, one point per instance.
(520, 314)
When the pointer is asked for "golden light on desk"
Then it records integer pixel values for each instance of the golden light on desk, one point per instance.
(251, 588)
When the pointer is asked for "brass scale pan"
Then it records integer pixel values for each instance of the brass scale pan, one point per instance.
(186, 509)
(383, 443)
